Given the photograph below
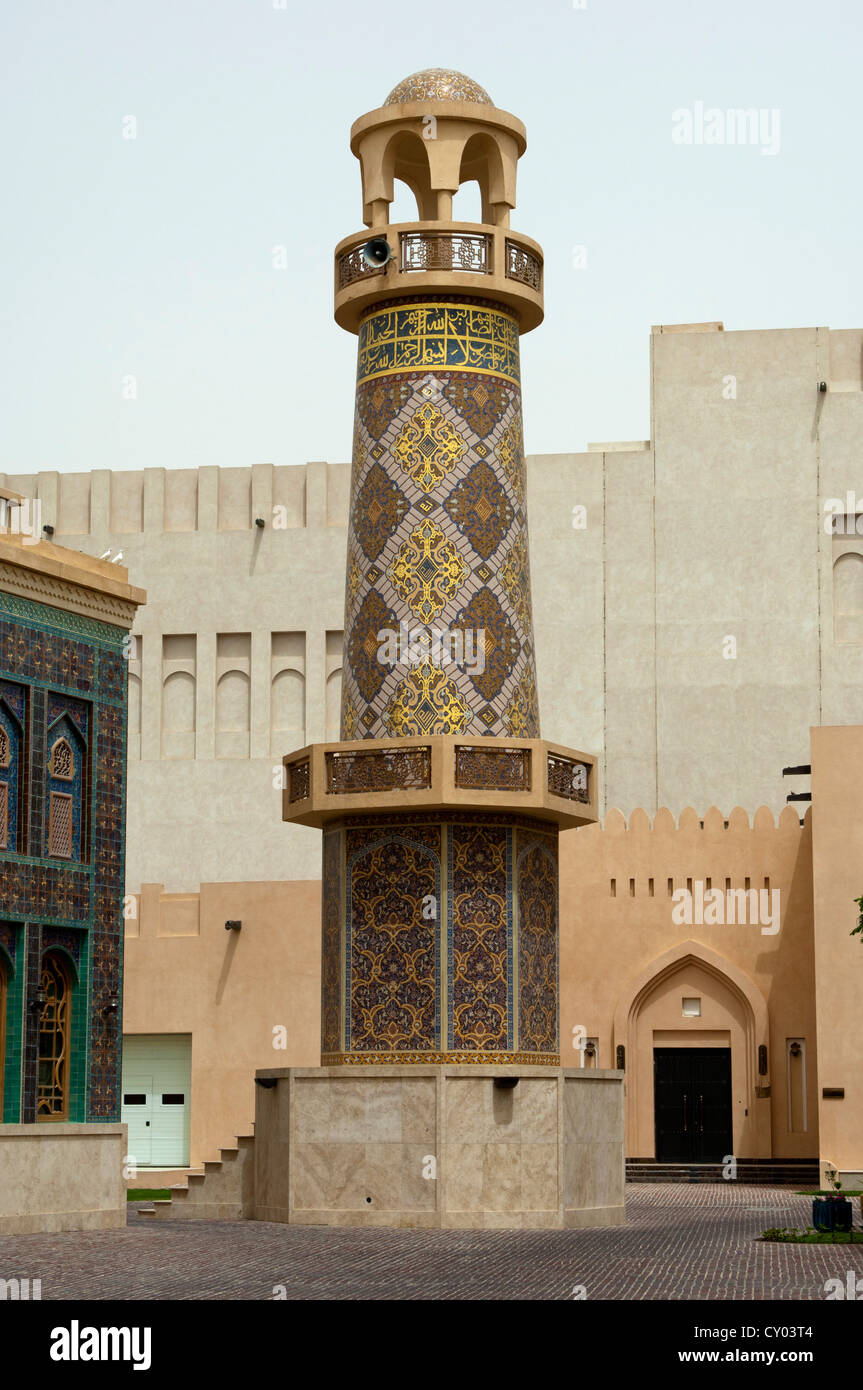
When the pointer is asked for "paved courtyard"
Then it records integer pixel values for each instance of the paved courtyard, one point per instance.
(694, 1241)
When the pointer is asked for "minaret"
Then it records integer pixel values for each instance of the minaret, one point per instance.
(441, 806)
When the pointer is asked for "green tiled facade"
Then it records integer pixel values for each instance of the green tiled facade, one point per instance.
(63, 675)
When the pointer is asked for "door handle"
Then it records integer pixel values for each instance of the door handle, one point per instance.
(147, 1123)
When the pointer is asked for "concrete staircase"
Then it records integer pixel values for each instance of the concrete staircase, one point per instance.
(773, 1172)
(223, 1190)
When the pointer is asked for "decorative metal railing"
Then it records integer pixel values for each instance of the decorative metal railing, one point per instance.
(352, 267)
(378, 770)
(446, 251)
(298, 781)
(523, 265)
(492, 769)
(568, 778)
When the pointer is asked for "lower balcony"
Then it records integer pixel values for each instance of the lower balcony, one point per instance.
(324, 782)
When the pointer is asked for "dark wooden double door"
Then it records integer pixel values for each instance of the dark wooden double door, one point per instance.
(692, 1102)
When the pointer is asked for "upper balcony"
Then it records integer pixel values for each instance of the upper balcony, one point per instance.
(435, 258)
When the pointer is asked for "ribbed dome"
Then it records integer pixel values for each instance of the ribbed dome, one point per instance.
(438, 84)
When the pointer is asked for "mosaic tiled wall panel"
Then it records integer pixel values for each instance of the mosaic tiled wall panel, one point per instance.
(65, 674)
(442, 944)
(438, 625)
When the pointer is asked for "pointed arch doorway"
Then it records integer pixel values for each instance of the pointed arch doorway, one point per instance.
(691, 1023)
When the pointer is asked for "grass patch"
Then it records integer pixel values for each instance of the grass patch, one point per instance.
(779, 1235)
(148, 1194)
(828, 1192)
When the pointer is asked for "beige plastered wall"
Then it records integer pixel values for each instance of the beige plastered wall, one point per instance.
(233, 991)
(837, 829)
(626, 965)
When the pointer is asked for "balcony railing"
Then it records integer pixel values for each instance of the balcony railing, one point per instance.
(492, 769)
(352, 267)
(568, 778)
(432, 250)
(298, 781)
(523, 265)
(379, 770)
(446, 251)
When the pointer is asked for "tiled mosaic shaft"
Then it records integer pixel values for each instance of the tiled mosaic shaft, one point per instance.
(440, 940)
(438, 626)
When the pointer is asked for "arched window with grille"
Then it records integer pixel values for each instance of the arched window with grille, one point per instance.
(52, 1075)
(66, 790)
(11, 817)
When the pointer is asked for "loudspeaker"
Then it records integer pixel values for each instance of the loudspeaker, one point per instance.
(376, 252)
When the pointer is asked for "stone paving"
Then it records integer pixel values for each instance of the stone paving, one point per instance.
(693, 1241)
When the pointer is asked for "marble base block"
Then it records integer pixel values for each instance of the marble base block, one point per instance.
(439, 1146)
(61, 1177)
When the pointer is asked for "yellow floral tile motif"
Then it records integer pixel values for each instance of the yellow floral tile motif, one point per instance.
(355, 579)
(428, 447)
(427, 571)
(425, 702)
(509, 452)
(349, 721)
(514, 575)
(521, 716)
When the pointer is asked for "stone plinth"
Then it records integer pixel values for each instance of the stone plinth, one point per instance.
(439, 1147)
(61, 1177)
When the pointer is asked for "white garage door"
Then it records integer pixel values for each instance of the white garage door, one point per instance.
(157, 1069)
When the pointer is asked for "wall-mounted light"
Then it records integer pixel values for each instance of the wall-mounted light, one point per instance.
(49, 530)
(795, 1049)
(822, 386)
(260, 523)
(233, 926)
(39, 999)
(505, 1083)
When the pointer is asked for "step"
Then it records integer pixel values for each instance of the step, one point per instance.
(778, 1173)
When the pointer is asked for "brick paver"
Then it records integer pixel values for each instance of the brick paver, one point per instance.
(694, 1241)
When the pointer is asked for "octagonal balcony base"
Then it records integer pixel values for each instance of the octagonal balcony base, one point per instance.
(324, 782)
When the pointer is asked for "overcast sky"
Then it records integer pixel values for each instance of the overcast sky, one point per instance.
(152, 258)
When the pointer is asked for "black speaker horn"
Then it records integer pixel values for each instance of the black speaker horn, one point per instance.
(376, 252)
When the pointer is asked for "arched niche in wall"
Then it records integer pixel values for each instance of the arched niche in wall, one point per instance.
(334, 705)
(134, 715)
(848, 597)
(287, 711)
(233, 714)
(178, 715)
